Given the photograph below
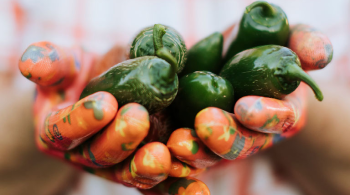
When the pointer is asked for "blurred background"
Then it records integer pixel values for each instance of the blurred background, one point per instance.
(97, 25)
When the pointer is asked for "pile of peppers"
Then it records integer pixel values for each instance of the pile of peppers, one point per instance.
(162, 75)
(175, 83)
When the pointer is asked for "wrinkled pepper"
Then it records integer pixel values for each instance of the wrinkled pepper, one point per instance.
(271, 71)
(197, 91)
(261, 24)
(143, 44)
(150, 81)
(205, 55)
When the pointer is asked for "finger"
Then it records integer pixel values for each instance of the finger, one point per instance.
(185, 145)
(226, 137)
(313, 48)
(70, 126)
(269, 115)
(179, 186)
(48, 65)
(149, 166)
(181, 169)
(117, 141)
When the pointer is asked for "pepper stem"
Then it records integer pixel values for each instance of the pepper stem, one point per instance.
(268, 9)
(166, 55)
(296, 73)
(162, 52)
(158, 33)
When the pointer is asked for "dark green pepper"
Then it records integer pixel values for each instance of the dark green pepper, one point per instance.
(205, 55)
(143, 45)
(197, 91)
(148, 80)
(270, 71)
(261, 24)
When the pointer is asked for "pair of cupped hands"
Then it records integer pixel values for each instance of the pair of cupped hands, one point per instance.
(96, 135)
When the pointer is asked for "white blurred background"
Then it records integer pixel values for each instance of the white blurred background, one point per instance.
(99, 24)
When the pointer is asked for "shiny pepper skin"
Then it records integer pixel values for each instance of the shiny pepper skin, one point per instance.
(197, 91)
(149, 81)
(262, 24)
(206, 55)
(270, 71)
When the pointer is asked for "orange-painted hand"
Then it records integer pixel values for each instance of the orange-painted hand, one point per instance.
(257, 122)
(92, 133)
(71, 129)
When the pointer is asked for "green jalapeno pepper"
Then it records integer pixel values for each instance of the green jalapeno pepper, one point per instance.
(270, 71)
(261, 24)
(143, 45)
(150, 81)
(197, 91)
(205, 55)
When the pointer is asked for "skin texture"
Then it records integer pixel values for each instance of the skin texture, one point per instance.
(253, 113)
(135, 171)
(185, 145)
(314, 49)
(259, 26)
(87, 117)
(224, 135)
(150, 165)
(58, 114)
(181, 169)
(62, 70)
(127, 130)
(205, 55)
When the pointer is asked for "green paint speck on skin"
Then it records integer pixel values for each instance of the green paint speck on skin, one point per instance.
(29, 76)
(182, 182)
(125, 146)
(125, 110)
(195, 147)
(68, 116)
(141, 108)
(232, 130)
(273, 119)
(210, 130)
(132, 160)
(193, 133)
(96, 107)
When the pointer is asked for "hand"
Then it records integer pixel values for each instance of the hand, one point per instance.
(284, 118)
(91, 133)
(258, 122)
